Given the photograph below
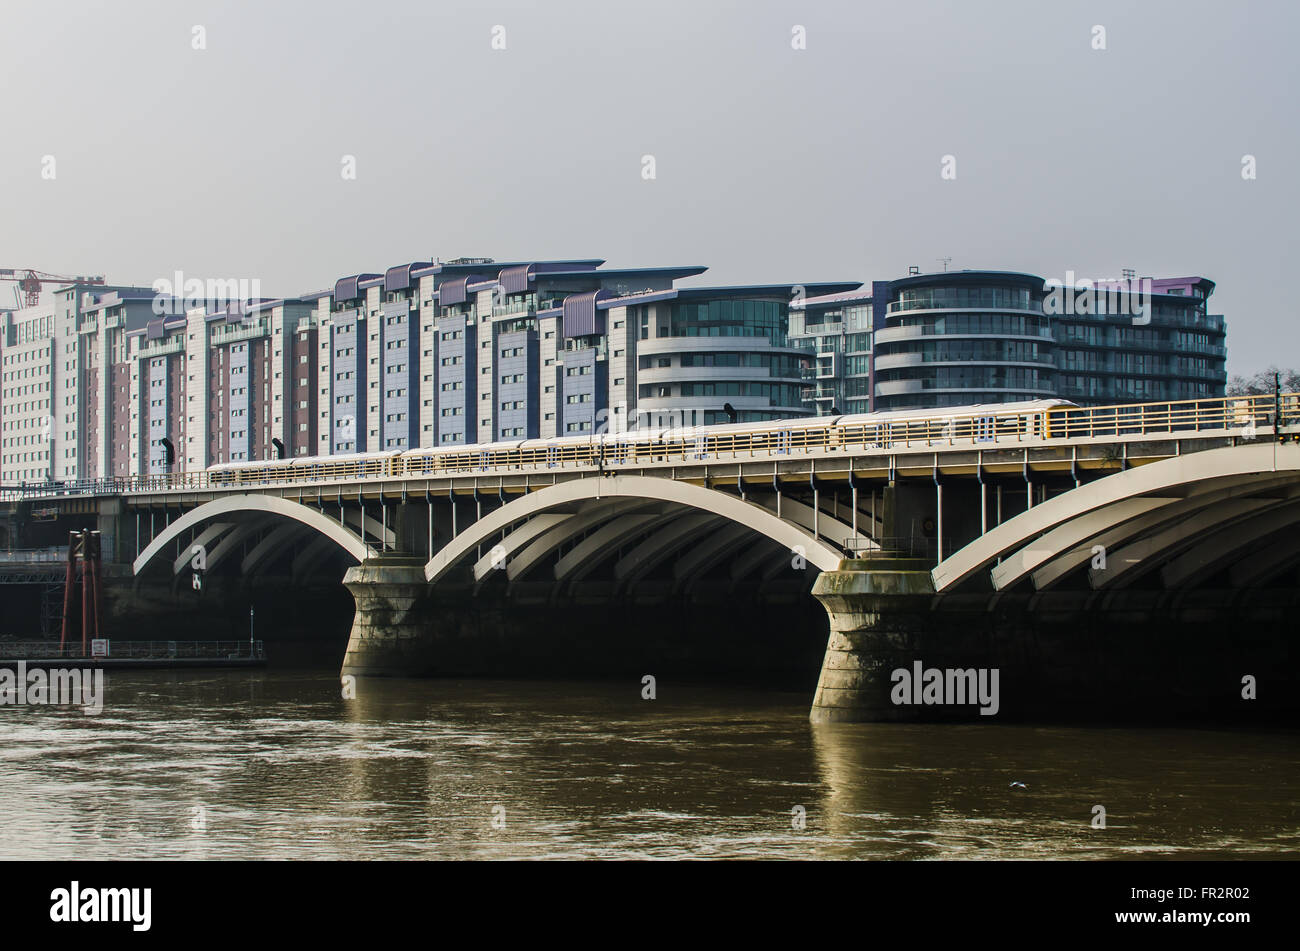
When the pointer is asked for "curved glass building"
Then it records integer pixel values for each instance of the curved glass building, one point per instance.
(700, 349)
(964, 337)
(955, 339)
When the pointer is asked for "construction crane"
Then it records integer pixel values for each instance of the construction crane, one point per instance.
(28, 280)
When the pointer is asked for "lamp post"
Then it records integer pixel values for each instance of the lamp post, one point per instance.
(1277, 407)
(250, 632)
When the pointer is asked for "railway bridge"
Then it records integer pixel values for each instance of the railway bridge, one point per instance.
(1041, 539)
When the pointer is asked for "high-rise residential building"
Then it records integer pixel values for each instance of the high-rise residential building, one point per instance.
(474, 351)
(222, 383)
(836, 331)
(123, 381)
(109, 382)
(65, 411)
(98, 388)
(695, 351)
(29, 347)
(964, 337)
(1176, 352)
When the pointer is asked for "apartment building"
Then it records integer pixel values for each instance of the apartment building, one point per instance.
(109, 382)
(964, 337)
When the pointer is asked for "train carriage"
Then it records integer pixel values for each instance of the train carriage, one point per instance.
(977, 424)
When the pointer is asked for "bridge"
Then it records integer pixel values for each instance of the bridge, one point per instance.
(950, 534)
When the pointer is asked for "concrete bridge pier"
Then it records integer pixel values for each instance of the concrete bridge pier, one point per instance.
(878, 611)
(393, 630)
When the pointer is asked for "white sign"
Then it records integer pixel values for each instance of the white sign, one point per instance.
(99, 647)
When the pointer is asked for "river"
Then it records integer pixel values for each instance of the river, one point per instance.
(277, 764)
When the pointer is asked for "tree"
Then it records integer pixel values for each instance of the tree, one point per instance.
(1260, 384)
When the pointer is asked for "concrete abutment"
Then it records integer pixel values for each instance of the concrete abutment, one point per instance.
(393, 627)
(876, 609)
(1070, 655)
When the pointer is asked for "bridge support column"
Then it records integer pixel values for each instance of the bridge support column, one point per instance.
(109, 515)
(393, 629)
(878, 610)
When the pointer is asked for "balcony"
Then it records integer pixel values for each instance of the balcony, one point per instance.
(652, 346)
(161, 348)
(515, 310)
(819, 394)
(892, 334)
(601, 347)
(670, 375)
(232, 333)
(888, 361)
(1017, 307)
(833, 328)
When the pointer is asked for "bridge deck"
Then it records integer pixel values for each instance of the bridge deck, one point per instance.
(962, 443)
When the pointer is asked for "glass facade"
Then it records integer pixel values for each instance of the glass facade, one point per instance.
(974, 349)
(776, 364)
(776, 394)
(1179, 354)
(837, 336)
(1001, 324)
(729, 318)
(697, 354)
(980, 336)
(947, 298)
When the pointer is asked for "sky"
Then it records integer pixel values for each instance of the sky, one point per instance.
(213, 138)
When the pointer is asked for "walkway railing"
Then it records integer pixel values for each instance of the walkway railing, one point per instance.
(30, 556)
(965, 427)
(136, 650)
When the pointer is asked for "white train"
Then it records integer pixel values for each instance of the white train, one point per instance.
(975, 424)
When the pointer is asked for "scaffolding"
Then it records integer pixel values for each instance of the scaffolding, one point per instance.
(85, 570)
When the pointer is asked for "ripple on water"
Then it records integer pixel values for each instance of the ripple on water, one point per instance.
(280, 767)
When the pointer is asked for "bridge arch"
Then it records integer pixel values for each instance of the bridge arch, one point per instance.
(573, 503)
(257, 506)
(1139, 517)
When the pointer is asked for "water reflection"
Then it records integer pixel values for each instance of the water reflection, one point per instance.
(279, 765)
(947, 792)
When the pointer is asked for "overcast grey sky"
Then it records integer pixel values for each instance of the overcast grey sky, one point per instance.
(772, 164)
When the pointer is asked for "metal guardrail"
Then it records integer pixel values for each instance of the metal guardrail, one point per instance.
(52, 490)
(915, 545)
(976, 429)
(136, 650)
(31, 556)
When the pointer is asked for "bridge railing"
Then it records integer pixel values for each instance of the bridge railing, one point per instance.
(1250, 413)
(988, 428)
